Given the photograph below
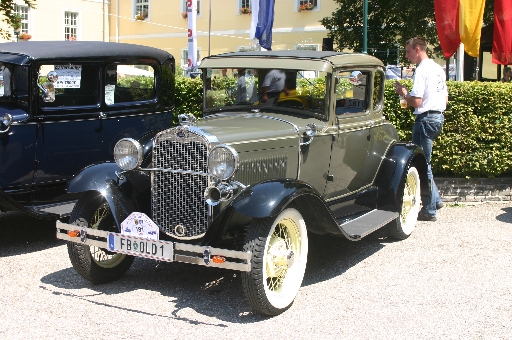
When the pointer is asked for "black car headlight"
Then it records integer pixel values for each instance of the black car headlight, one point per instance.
(128, 154)
(223, 161)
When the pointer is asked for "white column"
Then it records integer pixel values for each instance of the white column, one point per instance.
(460, 63)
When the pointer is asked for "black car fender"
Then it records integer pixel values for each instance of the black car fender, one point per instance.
(267, 199)
(390, 177)
(124, 192)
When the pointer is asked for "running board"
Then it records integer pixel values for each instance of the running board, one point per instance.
(62, 209)
(367, 223)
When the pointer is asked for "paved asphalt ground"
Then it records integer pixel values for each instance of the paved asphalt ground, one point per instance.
(451, 279)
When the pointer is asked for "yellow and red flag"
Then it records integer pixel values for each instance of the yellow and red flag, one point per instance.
(459, 21)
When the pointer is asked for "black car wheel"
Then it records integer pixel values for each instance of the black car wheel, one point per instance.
(95, 264)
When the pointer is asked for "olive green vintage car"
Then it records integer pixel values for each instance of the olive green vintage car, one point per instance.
(290, 143)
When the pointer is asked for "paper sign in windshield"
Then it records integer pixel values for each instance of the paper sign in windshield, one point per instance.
(69, 76)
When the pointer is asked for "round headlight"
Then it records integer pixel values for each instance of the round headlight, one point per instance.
(222, 161)
(128, 154)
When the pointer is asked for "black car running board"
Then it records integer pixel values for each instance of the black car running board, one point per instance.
(363, 225)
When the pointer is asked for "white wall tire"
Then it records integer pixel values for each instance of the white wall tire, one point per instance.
(279, 254)
(410, 200)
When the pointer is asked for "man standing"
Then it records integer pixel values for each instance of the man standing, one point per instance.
(273, 85)
(428, 97)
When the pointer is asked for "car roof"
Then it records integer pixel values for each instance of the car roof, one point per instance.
(24, 52)
(290, 59)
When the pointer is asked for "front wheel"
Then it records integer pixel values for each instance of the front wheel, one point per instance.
(404, 224)
(97, 265)
(279, 254)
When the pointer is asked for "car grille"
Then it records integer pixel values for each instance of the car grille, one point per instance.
(178, 204)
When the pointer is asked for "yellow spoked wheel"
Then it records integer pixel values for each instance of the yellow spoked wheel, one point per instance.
(97, 265)
(410, 206)
(279, 248)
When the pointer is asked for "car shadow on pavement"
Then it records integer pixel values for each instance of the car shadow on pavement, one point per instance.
(20, 234)
(212, 292)
(506, 216)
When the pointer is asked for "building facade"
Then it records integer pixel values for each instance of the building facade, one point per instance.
(222, 25)
(62, 20)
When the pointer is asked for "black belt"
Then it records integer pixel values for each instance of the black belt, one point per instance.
(432, 112)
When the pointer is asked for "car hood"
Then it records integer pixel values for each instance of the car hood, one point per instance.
(244, 131)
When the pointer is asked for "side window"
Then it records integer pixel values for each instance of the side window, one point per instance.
(77, 84)
(378, 90)
(70, 25)
(129, 83)
(351, 91)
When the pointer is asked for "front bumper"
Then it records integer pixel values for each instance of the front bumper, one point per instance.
(181, 252)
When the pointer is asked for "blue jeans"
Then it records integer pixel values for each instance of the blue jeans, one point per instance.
(425, 129)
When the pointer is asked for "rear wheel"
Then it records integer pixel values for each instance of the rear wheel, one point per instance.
(279, 253)
(404, 224)
(97, 265)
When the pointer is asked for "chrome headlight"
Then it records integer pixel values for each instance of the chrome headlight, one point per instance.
(6, 123)
(128, 154)
(223, 161)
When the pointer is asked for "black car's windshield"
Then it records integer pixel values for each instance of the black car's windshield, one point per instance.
(238, 88)
(13, 83)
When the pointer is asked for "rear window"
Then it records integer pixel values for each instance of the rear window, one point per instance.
(129, 83)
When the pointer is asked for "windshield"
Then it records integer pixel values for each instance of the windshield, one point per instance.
(13, 83)
(239, 88)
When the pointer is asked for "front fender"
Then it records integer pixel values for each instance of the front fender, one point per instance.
(124, 196)
(268, 199)
(390, 178)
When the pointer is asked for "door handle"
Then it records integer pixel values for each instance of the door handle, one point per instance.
(370, 123)
(103, 115)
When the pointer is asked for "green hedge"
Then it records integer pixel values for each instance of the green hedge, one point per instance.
(477, 135)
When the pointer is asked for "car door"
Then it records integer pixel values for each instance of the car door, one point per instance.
(349, 171)
(69, 134)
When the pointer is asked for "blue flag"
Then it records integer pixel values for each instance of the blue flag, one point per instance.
(265, 23)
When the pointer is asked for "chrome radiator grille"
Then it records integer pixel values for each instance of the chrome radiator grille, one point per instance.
(178, 205)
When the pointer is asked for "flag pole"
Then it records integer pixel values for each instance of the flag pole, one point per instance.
(209, 25)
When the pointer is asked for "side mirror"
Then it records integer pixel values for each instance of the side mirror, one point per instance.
(48, 88)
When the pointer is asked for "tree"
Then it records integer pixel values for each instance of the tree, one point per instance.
(11, 18)
(390, 24)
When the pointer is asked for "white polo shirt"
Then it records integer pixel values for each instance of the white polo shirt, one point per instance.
(429, 84)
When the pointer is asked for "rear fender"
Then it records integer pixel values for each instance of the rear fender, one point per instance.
(390, 178)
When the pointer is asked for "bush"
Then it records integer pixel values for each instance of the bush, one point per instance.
(477, 135)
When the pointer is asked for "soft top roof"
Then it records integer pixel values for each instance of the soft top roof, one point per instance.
(290, 58)
(23, 52)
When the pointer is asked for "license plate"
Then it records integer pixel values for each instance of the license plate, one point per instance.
(141, 247)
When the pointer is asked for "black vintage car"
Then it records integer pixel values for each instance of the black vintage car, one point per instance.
(290, 143)
(64, 105)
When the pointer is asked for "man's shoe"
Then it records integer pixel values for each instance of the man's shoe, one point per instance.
(439, 205)
(423, 216)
